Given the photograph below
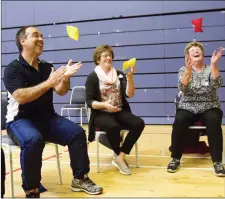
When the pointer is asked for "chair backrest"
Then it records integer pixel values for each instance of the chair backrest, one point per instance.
(78, 95)
(4, 103)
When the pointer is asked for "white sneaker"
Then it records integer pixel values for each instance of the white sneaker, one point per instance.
(122, 167)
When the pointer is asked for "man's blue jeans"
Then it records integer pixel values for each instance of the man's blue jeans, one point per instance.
(31, 136)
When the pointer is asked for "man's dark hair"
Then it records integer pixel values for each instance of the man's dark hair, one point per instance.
(21, 33)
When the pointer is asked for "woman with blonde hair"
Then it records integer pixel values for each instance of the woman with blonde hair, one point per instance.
(198, 102)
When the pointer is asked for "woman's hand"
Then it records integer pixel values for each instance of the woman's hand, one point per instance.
(216, 56)
(130, 73)
(111, 108)
(188, 62)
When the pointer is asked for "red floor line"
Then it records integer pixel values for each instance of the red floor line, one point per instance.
(53, 156)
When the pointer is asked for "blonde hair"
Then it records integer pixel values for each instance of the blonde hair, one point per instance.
(191, 44)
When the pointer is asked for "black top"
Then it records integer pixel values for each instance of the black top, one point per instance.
(93, 94)
(19, 74)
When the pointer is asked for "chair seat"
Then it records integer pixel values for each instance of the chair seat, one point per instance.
(103, 139)
(7, 140)
(197, 127)
(98, 129)
(99, 132)
(68, 106)
(198, 123)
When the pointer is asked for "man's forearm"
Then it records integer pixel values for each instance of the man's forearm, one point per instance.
(130, 87)
(63, 87)
(26, 95)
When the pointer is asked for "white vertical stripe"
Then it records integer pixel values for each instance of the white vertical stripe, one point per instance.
(12, 108)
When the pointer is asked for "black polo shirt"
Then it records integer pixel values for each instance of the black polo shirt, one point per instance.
(19, 74)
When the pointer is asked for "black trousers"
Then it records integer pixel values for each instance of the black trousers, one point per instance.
(112, 123)
(2, 173)
(211, 118)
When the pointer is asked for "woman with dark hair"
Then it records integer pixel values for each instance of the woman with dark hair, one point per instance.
(106, 92)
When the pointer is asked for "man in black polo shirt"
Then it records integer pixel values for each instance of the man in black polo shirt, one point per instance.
(31, 119)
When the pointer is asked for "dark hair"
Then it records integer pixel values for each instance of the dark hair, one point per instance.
(99, 50)
(21, 33)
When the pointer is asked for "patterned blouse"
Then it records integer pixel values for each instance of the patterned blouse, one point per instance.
(111, 93)
(200, 94)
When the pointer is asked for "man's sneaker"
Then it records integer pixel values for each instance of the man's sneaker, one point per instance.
(219, 169)
(173, 166)
(124, 169)
(86, 185)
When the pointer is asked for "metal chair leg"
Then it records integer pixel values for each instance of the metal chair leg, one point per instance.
(121, 137)
(58, 163)
(136, 153)
(223, 155)
(81, 117)
(87, 114)
(11, 171)
(68, 113)
(163, 152)
(181, 160)
(97, 140)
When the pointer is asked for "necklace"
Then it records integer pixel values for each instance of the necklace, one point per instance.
(197, 70)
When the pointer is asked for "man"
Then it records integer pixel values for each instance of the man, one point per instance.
(31, 119)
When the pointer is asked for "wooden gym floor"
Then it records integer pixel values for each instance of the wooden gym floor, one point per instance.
(194, 179)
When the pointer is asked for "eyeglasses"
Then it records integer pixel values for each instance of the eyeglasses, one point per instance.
(106, 55)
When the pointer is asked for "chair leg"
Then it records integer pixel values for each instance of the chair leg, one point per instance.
(88, 110)
(11, 171)
(68, 113)
(163, 153)
(58, 163)
(81, 117)
(62, 111)
(121, 137)
(182, 160)
(136, 153)
(97, 140)
(87, 114)
(223, 156)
